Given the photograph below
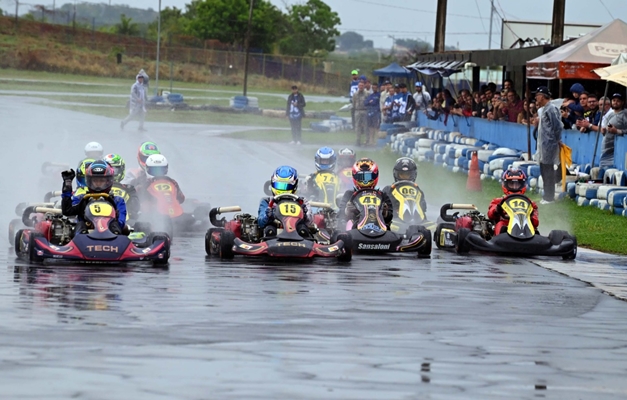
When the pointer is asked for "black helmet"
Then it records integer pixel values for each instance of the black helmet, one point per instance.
(346, 158)
(99, 176)
(405, 169)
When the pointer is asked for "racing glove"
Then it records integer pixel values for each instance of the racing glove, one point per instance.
(270, 213)
(67, 176)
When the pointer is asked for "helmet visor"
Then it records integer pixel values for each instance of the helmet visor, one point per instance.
(405, 175)
(283, 186)
(160, 170)
(365, 177)
(95, 154)
(99, 183)
(514, 186)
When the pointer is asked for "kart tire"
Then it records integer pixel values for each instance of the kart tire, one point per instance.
(267, 188)
(227, 238)
(32, 252)
(209, 239)
(14, 225)
(411, 231)
(17, 242)
(438, 233)
(462, 246)
(347, 253)
(556, 237)
(571, 255)
(425, 250)
(156, 236)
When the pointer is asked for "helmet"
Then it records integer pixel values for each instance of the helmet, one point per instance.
(93, 150)
(157, 165)
(99, 176)
(365, 174)
(284, 180)
(514, 181)
(346, 158)
(146, 149)
(325, 159)
(80, 171)
(405, 169)
(118, 164)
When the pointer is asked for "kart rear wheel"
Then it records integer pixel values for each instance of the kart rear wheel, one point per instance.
(411, 231)
(437, 237)
(227, 238)
(32, 251)
(573, 253)
(17, 245)
(142, 226)
(347, 253)
(425, 249)
(461, 245)
(158, 236)
(14, 225)
(556, 237)
(210, 243)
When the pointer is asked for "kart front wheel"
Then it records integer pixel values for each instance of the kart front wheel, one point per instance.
(347, 251)
(227, 238)
(461, 245)
(440, 242)
(210, 242)
(158, 236)
(18, 242)
(571, 255)
(425, 249)
(14, 225)
(32, 250)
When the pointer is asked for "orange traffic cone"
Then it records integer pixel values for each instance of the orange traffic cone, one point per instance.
(474, 175)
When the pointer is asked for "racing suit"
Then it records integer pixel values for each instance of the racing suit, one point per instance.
(388, 191)
(265, 217)
(496, 214)
(135, 177)
(348, 211)
(149, 199)
(73, 205)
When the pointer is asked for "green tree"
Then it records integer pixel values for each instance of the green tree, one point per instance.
(312, 29)
(350, 41)
(227, 21)
(126, 26)
(173, 22)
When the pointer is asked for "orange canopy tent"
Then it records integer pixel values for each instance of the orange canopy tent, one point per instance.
(577, 59)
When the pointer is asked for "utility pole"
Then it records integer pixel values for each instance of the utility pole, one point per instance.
(247, 45)
(17, 6)
(490, 37)
(557, 30)
(440, 27)
(393, 43)
(158, 49)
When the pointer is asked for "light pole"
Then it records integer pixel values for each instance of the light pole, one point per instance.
(247, 45)
(158, 49)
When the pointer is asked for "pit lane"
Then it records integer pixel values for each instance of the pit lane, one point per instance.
(380, 327)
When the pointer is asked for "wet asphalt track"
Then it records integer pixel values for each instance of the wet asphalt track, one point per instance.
(448, 327)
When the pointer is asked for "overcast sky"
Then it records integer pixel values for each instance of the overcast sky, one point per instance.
(467, 21)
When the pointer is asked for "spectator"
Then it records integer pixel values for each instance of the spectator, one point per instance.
(295, 112)
(487, 106)
(368, 86)
(407, 103)
(382, 99)
(388, 106)
(525, 115)
(583, 101)
(374, 114)
(361, 113)
(549, 136)
(422, 98)
(352, 90)
(577, 89)
(137, 105)
(436, 107)
(615, 124)
(508, 84)
(591, 117)
(477, 104)
(396, 103)
(513, 107)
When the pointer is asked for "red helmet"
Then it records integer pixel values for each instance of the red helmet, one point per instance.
(365, 174)
(99, 177)
(514, 181)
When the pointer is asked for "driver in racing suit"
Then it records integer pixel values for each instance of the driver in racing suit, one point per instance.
(99, 179)
(514, 181)
(283, 181)
(365, 176)
(137, 177)
(405, 169)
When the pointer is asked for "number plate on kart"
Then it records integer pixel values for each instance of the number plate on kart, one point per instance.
(369, 200)
(101, 209)
(289, 209)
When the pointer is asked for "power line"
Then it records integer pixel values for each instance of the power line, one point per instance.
(479, 11)
(409, 32)
(414, 9)
(606, 9)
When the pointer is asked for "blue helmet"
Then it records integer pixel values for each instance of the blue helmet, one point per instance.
(325, 159)
(81, 170)
(284, 180)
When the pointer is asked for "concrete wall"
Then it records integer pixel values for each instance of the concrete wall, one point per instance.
(514, 136)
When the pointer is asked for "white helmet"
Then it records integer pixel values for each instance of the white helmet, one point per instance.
(157, 165)
(94, 150)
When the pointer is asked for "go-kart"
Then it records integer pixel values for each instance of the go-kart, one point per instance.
(409, 212)
(346, 179)
(288, 237)
(20, 210)
(473, 231)
(161, 208)
(371, 235)
(55, 237)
